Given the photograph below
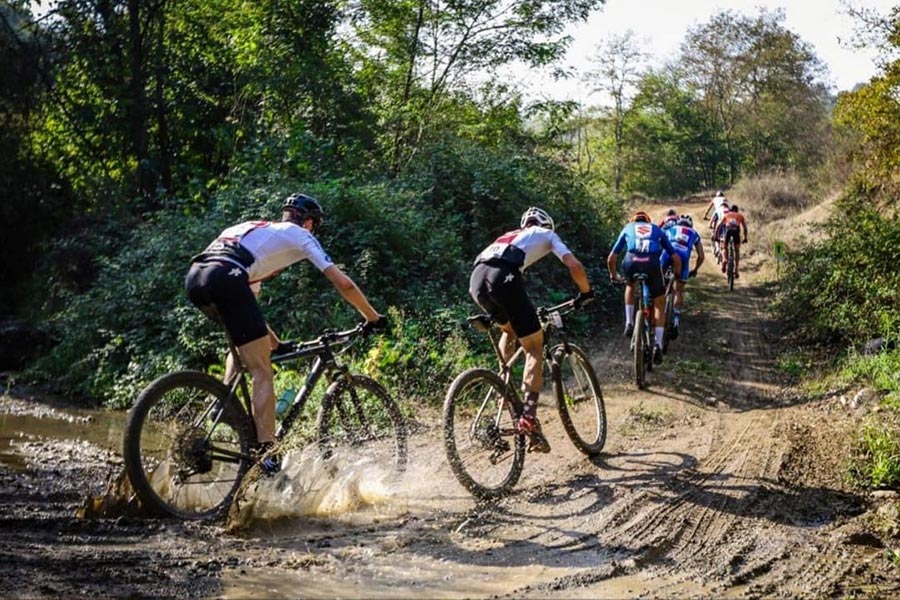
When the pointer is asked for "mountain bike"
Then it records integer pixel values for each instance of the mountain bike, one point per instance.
(642, 338)
(729, 262)
(485, 449)
(189, 437)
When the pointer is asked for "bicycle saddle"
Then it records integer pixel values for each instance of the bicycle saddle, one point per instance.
(480, 322)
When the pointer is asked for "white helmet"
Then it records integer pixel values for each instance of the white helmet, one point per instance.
(536, 216)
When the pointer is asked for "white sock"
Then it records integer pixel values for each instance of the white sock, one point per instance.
(629, 314)
(658, 333)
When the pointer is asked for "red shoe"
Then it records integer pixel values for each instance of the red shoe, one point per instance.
(531, 427)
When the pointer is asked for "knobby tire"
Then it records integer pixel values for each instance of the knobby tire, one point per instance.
(358, 420)
(638, 340)
(486, 459)
(185, 459)
(729, 268)
(579, 399)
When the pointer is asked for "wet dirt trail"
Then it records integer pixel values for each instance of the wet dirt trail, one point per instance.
(715, 481)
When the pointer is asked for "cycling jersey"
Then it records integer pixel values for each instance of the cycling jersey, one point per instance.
(642, 239)
(684, 239)
(272, 246)
(733, 220)
(643, 243)
(668, 222)
(717, 203)
(524, 247)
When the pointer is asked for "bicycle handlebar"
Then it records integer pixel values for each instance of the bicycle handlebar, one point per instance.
(328, 337)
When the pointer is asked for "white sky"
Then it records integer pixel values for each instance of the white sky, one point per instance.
(661, 25)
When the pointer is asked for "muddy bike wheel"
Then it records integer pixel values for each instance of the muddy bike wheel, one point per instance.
(359, 421)
(484, 452)
(579, 399)
(187, 446)
(637, 342)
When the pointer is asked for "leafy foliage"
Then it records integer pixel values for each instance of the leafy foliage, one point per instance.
(407, 243)
(846, 287)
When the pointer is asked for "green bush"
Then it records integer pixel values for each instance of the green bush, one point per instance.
(408, 243)
(846, 287)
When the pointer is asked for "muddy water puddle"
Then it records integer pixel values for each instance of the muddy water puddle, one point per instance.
(28, 427)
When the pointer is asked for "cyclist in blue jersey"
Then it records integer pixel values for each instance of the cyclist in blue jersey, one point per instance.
(643, 241)
(684, 239)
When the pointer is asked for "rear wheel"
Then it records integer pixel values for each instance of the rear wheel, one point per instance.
(359, 420)
(670, 316)
(729, 267)
(579, 399)
(484, 451)
(187, 446)
(638, 342)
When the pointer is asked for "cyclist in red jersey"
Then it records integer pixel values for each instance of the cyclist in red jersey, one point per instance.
(732, 223)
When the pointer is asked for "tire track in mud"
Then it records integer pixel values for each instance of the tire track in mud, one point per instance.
(726, 523)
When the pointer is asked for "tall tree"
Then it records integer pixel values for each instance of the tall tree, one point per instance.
(760, 85)
(423, 51)
(619, 62)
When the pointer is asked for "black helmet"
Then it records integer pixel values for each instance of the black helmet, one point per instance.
(304, 207)
(734, 208)
(671, 212)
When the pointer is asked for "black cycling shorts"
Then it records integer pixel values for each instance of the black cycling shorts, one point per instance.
(499, 288)
(633, 264)
(225, 288)
(733, 232)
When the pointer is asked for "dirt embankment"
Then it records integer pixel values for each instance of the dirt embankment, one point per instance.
(718, 480)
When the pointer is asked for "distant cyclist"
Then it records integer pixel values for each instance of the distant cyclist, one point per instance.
(732, 223)
(669, 220)
(684, 239)
(498, 286)
(718, 205)
(642, 242)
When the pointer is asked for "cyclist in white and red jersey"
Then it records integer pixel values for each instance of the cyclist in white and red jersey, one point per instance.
(224, 279)
(497, 285)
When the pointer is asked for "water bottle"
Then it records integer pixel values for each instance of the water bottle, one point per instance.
(645, 290)
(284, 402)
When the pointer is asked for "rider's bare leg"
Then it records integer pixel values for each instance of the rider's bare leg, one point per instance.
(256, 357)
(508, 341)
(659, 317)
(629, 303)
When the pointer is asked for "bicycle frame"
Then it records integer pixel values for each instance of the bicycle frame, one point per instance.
(325, 363)
(548, 327)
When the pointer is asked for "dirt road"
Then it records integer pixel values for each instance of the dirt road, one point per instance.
(717, 480)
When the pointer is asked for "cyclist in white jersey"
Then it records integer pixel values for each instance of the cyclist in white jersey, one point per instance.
(718, 205)
(497, 285)
(224, 279)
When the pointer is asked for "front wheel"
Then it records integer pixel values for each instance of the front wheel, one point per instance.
(187, 446)
(359, 420)
(579, 399)
(485, 452)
